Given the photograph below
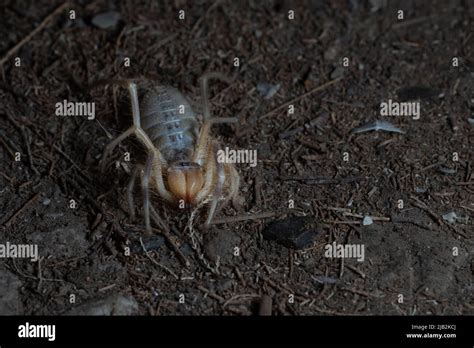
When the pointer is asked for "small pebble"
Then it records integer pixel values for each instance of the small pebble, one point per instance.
(367, 221)
(324, 279)
(446, 170)
(106, 20)
(46, 201)
(450, 217)
(267, 90)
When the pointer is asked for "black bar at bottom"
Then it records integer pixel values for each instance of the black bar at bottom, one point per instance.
(249, 330)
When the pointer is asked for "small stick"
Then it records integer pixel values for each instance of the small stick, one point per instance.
(40, 277)
(338, 209)
(211, 294)
(411, 22)
(374, 218)
(304, 95)
(348, 222)
(361, 292)
(19, 211)
(155, 262)
(440, 222)
(237, 218)
(28, 37)
(400, 220)
(434, 165)
(321, 180)
(166, 234)
(196, 25)
(238, 297)
(423, 206)
(108, 287)
(356, 270)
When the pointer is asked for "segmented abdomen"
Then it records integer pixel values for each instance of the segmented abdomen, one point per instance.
(170, 123)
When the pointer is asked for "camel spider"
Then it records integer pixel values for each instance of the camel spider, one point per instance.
(181, 164)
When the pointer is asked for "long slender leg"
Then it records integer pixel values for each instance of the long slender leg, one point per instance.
(146, 191)
(160, 185)
(111, 146)
(204, 90)
(210, 170)
(218, 188)
(200, 153)
(234, 181)
(131, 185)
(134, 129)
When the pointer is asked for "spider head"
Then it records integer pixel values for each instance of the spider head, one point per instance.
(185, 180)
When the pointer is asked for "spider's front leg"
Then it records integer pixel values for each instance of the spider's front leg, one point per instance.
(153, 166)
(134, 129)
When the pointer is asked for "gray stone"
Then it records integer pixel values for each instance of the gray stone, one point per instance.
(112, 305)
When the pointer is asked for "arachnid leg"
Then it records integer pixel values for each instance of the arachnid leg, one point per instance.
(234, 181)
(209, 178)
(111, 146)
(135, 129)
(204, 90)
(146, 191)
(158, 176)
(200, 153)
(131, 185)
(216, 195)
(154, 158)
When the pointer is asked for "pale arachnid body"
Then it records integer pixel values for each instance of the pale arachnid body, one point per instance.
(181, 165)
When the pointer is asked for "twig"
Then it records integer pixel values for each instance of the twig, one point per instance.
(356, 270)
(211, 294)
(237, 218)
(434, 165)
(198, 22)
(237, 297)
(155, 262)
(20, 210)
(396, 220)
(33, 33)
(424, 207)
(304, 95)
(361, 292)
(440, 222)
(322, 180)
(166, 233)
(40, 277)
(347, 222)
(409, 22)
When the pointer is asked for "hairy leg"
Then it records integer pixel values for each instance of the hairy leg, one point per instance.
(219, 185)
(233, 179)
(134, 129)
(154, 157)
(200, 153)
(146, 191)
(130, 186)
(209, 176)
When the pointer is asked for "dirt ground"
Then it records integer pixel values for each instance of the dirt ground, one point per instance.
(416, 262)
